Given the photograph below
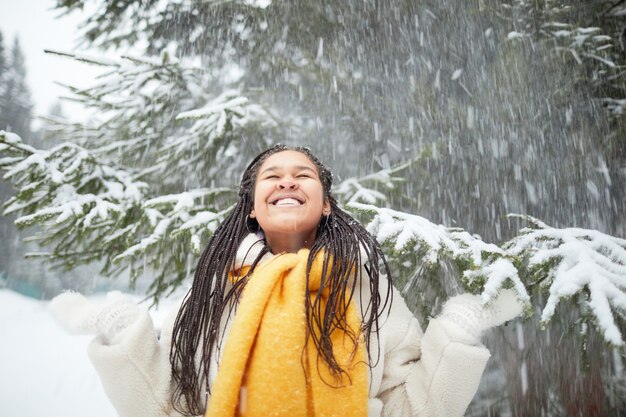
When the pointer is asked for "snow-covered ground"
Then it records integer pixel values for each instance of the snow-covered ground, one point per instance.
(43, 370)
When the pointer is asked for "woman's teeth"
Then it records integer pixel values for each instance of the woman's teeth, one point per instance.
(287, 202)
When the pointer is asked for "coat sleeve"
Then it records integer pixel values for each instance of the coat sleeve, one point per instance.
(434, 374)
(134, 369)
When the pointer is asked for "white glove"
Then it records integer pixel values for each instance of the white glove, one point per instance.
(469, 312)
(77, 315)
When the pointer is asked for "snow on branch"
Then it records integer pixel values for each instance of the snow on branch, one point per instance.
(92, 210)
(98, 189)
(407, 232)
(352, 190)
(588, 45)
(575, 261)
(563, 263)
(132, 106)
(66, 183)
(85, 207)
(164, 112)
(99, 61)
(175, 215)
(227, 112)
(363, 189)
(616, 106)
(173, 229)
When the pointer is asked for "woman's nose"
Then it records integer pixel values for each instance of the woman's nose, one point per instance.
(287, 183)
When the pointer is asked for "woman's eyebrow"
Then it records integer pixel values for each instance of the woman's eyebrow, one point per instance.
(297, 168)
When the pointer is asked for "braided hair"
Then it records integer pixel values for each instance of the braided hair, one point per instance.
(342, 239)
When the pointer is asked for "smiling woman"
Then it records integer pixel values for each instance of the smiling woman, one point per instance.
(292, 312)
(289, 201)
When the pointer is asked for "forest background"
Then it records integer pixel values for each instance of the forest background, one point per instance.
(439, 120)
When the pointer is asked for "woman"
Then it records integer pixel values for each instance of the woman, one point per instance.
(289, 314)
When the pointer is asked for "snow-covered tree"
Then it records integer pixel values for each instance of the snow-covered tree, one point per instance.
(15, 102)
(15, 108)
(588, 37)
(111, 193)
(589, 34)
(385, 81)
(3, 59)
(558, 263)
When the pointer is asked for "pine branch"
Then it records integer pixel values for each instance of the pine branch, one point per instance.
(486, 266)
(366, 189)
(562, 263)
(572, 261)
(90, 210)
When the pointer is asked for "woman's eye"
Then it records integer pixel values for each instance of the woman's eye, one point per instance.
(303, 176)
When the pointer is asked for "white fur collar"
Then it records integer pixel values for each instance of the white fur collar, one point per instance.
(249, 249)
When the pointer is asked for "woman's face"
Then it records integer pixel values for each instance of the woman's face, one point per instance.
(289, 201)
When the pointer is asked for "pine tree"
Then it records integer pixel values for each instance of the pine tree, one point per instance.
(16, 103)
(15, 116)
(3, 82)
(3, 63)
(7, 230)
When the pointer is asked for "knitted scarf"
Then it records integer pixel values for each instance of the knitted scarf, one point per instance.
(266, 369)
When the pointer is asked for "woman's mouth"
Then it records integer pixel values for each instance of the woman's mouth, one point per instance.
(287, 202)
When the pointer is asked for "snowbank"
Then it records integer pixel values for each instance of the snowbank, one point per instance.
(43, 370)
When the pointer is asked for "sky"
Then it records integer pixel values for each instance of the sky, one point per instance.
(38, 28)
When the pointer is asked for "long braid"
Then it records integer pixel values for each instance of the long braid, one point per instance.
(211, 296)
(341, 274)
(199, 318)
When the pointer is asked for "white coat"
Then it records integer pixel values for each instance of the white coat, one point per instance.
(431, 374)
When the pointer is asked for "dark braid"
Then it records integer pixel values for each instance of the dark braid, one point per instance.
(198, 323)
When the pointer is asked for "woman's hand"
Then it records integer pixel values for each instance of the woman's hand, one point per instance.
(78, 315)
(469, 312)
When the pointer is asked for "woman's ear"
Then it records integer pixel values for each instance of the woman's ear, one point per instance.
(326, 207)
(252, 214)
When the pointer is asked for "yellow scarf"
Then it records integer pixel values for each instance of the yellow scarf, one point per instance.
(261, 371)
